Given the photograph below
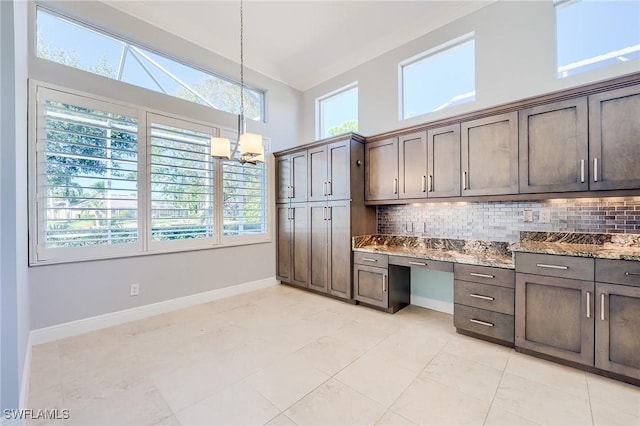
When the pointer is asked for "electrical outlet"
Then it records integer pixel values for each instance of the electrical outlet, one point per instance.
(545, 215)
(528, 215)
(135, 289)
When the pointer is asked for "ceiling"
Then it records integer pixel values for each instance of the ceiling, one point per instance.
(300, 43)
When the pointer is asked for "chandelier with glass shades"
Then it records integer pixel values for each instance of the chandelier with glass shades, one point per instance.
(250, 144)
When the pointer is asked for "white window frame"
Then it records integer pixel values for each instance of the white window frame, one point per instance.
(144, 246)
(327, 96)
(441, 48)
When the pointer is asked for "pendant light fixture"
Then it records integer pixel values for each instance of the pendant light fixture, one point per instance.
(250, 144)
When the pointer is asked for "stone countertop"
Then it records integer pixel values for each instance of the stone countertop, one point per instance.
(603, 246)
(473, 252)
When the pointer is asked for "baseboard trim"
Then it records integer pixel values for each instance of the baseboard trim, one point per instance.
(74, 328)
(433, 304)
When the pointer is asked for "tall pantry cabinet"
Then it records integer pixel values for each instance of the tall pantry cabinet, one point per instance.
(314, 234)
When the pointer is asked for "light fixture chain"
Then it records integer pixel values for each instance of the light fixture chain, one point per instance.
(242, 60)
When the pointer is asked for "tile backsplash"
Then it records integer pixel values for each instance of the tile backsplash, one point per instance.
(503, 220)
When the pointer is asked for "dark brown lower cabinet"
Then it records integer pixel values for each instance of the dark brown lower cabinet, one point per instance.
(554, 316)
(371, 285)
(592, 323)
(618, 329)
(330, 247)
(292, 249)
(384, 286)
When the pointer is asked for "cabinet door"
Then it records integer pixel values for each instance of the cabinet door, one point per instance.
(370, 285)
(444, 161)
(553, 147)
(317, 172)
(412, 166)
(614, 139)
(299, 176)
(490, 155)
(339, 223)
(618, 329)
(381, 170)
(338, 175)
(555, 316)
(318, 243)
(283, 179)
(283, 231)
(299, 244)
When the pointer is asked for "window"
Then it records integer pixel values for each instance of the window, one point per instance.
(182, 183)
(87, 173)
(245, 191)
(439, 78)
(111, 180)
(337, 112)
(592, 34)
(73, 44)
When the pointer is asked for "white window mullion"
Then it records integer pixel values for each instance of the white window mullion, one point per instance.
(144, 179)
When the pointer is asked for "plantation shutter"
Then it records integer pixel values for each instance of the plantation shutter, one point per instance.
(244, 186)
(182, 180)
(86, 174)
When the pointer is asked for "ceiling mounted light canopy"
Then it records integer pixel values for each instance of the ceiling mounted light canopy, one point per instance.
(250, 144)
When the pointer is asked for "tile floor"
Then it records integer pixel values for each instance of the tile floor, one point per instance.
(282, 356)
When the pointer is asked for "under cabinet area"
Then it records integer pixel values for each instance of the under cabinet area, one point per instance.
(484, 302)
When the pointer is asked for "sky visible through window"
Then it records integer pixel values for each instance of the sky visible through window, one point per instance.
(440, 80)
(339, 113)
(69, 43)
(589, 33)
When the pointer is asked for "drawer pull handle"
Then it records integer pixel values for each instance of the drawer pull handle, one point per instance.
(544, 265)
(417, 263)
(424, 184)
(479, 296)
(602, 307)
(368, 259)
(632, 273)
(475, 274)
(486, 324)
(588, 304)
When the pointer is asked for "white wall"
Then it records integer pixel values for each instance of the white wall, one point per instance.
(515, 59)
(73, 291)
(14, 296)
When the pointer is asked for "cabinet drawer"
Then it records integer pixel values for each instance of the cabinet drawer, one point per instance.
(485, 274)
(579, 268)
(371, 259)
(489, 297)
(624, 272)
(480, 321)
(435, 265)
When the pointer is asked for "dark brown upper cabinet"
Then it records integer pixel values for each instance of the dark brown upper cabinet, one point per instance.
(490, 155)
(329, 171)
(381, 170)
(554, 147)
(614, 139)
(291, 177)
(443, 178)
(412, 166)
